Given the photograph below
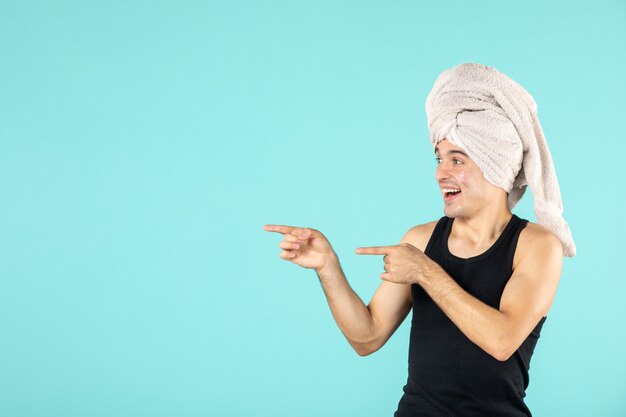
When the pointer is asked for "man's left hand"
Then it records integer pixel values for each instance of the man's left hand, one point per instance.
(404, 263)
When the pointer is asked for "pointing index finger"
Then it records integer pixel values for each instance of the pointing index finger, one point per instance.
(374, 250)
(278, 228)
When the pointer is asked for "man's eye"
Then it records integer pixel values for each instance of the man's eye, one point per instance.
(457, 161)
(438, 160)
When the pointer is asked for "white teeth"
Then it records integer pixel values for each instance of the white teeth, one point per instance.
(450, 190)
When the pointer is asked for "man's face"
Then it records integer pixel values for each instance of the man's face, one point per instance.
(456, 171)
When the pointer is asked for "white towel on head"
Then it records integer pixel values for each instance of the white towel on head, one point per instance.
(494, 120)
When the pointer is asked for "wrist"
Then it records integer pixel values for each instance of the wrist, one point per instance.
(332, 262)
(428, 273)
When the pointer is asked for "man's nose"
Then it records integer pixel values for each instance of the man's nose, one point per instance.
(441, 172)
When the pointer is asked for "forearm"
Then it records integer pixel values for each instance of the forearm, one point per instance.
(351, 314)
(484, 325)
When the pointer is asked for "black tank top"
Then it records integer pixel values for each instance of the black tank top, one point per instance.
(448, 374)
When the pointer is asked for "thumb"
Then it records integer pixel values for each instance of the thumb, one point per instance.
(303, 233)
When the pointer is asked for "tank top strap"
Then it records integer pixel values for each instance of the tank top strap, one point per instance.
(437, 235)
(513, 238)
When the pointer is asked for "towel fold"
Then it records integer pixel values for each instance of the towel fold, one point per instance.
(494, 120)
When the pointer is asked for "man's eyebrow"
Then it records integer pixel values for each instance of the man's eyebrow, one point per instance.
(453, 151)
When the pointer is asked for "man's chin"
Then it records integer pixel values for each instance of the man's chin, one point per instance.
(453, 212)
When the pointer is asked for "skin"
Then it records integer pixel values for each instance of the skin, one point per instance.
(481, 213)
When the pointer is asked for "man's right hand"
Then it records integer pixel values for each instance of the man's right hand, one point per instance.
(304, 246)
(366, 328)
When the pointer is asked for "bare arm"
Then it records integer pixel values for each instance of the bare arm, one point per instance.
(527, 296)
(367, 328)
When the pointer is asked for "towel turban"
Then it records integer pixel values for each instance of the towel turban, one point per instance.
(494, 120)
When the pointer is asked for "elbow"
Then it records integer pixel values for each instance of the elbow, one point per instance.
(364, 349)
(502, 347)
(363, 352)
(502, 352)
(502, 355)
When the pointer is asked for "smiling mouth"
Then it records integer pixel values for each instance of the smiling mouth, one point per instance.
(449, 195)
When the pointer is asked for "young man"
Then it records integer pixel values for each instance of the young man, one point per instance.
(480, 281)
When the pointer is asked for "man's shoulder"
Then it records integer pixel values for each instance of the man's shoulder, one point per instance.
(534, 239)
(535, 233)
(419, 235)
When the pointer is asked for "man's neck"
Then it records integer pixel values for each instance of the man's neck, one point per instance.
(481, 229)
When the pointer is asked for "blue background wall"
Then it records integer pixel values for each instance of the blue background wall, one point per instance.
(143, 146)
